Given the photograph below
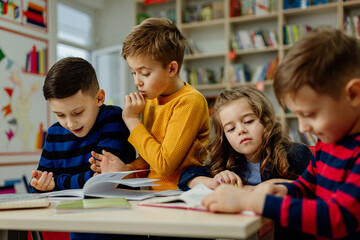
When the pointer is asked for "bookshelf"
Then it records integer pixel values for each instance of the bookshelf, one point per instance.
(213, 39)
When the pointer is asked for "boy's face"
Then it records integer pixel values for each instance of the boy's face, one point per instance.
(242, 127)
(151, 79)
(78, 112)
(327, 118)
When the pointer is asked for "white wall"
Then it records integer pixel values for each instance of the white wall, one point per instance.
(113, 22)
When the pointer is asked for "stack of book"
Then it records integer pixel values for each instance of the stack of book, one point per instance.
(35, 15)
(241, 72)
(352, 25)
(252, 7)
(258, 39)
(204, 12)
(293, 32)
(36, 61)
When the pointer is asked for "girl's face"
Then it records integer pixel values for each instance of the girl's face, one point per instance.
(242, 128)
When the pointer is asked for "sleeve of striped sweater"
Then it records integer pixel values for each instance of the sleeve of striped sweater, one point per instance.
(337, 217)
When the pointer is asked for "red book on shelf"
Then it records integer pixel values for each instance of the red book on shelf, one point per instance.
(33, 62)
(154, 1)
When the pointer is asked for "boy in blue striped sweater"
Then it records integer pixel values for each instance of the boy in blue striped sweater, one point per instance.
(84, 124)
(319, 81)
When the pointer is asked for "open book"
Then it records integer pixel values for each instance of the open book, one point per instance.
(105, 185)
(187, 200)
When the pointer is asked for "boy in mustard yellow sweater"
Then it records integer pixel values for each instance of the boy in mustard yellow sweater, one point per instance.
(174, 121)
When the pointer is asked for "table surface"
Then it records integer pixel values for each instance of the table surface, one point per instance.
(139, 220)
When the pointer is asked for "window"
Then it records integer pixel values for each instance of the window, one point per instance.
(74, 32)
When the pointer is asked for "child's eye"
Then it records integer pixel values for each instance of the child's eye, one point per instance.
(145, 74)
(77, 113)
(230, 129)
(59, 115)
(308, 115)
(133, 73)
(250, 121)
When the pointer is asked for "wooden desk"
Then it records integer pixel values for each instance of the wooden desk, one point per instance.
(138, 220)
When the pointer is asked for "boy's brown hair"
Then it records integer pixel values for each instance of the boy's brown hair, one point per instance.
(69, 75)
(157, 38)
(325, 59)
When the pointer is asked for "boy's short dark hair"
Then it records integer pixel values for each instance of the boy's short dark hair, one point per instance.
(68, 76)
(157, 38)
(325, 59)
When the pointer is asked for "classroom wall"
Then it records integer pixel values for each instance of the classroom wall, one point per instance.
(113, 22)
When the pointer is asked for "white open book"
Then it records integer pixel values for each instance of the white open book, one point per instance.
(105, 185)
(188, 200)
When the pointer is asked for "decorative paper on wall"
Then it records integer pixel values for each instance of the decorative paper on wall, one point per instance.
(29, 13)
(23, 110)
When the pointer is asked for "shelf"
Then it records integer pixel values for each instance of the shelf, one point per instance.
(237, 84)
(324, 8)
(211, 23)
(218, 86)
(203, 56)
(254, 18)
(351, 4)
(257, 51)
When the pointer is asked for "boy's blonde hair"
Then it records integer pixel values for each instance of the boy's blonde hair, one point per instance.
(157, 38)
(274, 144)
(325, 59)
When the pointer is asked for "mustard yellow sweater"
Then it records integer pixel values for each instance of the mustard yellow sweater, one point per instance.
(174, 128)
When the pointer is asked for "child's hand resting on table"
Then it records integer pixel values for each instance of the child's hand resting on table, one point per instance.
(42, 181)
(228, 177)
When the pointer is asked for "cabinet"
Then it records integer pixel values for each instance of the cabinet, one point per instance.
(214, 38)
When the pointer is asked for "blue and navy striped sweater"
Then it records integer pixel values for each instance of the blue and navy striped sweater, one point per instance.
(67, 156)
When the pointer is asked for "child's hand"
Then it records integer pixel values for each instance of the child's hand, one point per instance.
(230, 199)
(271, 188)
(134, 106)
(107, 162)
(228, 177)
(42, 181)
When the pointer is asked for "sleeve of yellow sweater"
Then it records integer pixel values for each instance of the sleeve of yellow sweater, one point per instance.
(139, 164)
(186, 120)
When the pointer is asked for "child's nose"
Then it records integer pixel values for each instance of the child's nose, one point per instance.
(71, 123)
(241, 129)
(304, 126)
(138, 81)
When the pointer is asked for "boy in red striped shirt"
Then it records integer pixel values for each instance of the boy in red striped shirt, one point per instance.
(319, 81)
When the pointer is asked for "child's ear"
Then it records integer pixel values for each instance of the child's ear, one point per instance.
(173, 68)
(352, 89)
(100, 97)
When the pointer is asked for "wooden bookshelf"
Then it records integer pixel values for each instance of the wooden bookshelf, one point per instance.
(215, 35)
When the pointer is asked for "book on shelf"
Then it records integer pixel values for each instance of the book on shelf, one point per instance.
(92, 204)
(235, 8)
(113, 185)
(190, 199)
(262, 7)
(22, 200)
(247, 7)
